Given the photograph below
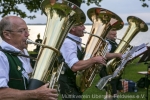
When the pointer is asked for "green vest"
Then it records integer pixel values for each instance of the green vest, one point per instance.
(16, 80)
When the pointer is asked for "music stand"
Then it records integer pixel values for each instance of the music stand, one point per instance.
(145, 58)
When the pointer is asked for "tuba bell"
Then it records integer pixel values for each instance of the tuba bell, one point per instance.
(135, 26)
(61, 16)
(103, 21)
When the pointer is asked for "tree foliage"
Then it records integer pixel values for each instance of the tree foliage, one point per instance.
(12, 6)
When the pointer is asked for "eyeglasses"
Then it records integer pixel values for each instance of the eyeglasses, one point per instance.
(21, 30)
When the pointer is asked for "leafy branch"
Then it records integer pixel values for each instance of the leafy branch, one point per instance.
(8, 7)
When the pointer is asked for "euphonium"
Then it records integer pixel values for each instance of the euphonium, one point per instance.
(135, 26)
(61, 16)
(103, 21)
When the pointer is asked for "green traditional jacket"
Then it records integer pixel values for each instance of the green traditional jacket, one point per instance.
(16, 78)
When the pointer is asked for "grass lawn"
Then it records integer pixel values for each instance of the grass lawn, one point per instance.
(130, 73)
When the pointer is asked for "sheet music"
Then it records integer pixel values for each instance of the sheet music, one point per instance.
(130, 54)
(141, 49)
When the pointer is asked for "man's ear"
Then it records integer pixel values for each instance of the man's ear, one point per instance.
(6, 34)
(73, 28)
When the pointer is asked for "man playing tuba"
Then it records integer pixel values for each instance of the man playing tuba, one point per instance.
(14, 69)
(116, 84)
(72, 54)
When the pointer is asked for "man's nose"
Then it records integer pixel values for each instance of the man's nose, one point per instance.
(27, 34)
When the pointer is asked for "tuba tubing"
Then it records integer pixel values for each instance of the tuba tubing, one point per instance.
(28, 41)
(61, 16)
(95, 36)
(103, 21)
(56, 72)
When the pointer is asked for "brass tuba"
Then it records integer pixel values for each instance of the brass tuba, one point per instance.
(135, 25)
(103, 21)
(61, 16)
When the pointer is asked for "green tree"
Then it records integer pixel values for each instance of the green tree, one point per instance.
(12, 6)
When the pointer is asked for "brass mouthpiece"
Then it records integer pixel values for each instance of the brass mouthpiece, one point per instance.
(120, 39)
(94, 35)
(28, 41)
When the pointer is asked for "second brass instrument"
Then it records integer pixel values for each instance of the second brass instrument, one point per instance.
(103, 21)
(135, 26)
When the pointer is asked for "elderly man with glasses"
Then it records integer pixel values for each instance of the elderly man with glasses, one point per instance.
(15, 70)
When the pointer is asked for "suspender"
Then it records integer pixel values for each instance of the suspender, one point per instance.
(67, 70)
(15, 53)
(74, 40)
(80, 52)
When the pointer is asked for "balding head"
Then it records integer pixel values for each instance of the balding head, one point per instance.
(14, 31)
(8, 23)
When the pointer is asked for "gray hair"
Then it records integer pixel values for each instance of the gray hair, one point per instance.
(5, 24)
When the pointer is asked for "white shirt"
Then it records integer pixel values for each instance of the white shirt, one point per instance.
(4, 64)
(109, 46)
(69, 49)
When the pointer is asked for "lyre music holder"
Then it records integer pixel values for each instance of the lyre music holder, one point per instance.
(146, 58)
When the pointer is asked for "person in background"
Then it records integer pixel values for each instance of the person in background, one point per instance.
(14, 69)
(116, 84)
(72, 54)
(38, 40)
(36, 50)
